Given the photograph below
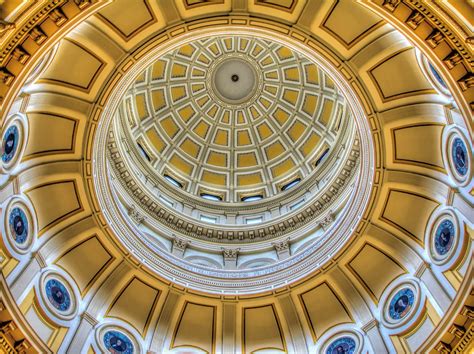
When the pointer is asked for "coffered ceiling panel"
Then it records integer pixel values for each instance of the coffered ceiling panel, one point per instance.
(78, 67)
(57, 200)
(262, 330)
(366, 265)
(349, 24)
(51, 134)
(323, 309)
(135, 303)
(409, 212)
(196, 327)
(408, 82)
(425, 138)
(127, 23)
(196, 134)
(94, 258)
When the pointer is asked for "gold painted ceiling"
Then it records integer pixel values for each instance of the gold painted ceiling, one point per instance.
(233, 150)
(398, 280)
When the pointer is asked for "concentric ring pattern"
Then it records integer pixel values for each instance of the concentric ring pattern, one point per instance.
(234, 150)
(370, 252)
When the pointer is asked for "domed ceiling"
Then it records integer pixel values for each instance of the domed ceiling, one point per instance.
(230, 145)
(234, 116)
(236, 176)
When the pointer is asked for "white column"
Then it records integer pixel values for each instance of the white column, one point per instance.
(164, 322)
(101, 298)
(372, 331)
(22, 283)
(228, 327)
(439, 294)
(296, 331)
(88, 322)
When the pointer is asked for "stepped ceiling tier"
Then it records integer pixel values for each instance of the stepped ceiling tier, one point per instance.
(234, 116)
(236, 176)
(219, 119)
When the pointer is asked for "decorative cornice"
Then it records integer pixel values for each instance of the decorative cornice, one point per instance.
(5, 26)
(327, 220)
(184, 225)
(14, 38)
(463, 336)
(239, 281)
(16, 334)
(444, 29)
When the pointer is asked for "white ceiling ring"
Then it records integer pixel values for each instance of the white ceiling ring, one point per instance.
(256, 280)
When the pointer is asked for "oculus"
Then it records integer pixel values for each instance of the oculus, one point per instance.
(291, 184)
(18, 224)
(212, 197)
(117, 342)
(401, 304)
(459, 156)
(234, 80)
(321, 158)
(252, 198)
(344, 345)
(58, 295)
(10, 143)
(172, 181)
(444, 237)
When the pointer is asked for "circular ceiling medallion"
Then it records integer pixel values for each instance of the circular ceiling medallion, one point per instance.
(242, 162)
(117, 342)
(58, 295)
(459, 156)
(444, 237)
(401, 304)
(19, 225)
(234, 80)
(115, 338)
(457, 151)
(340, 339)
(13, 141)
(10, 143)
(433, 75)
(343, 345)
